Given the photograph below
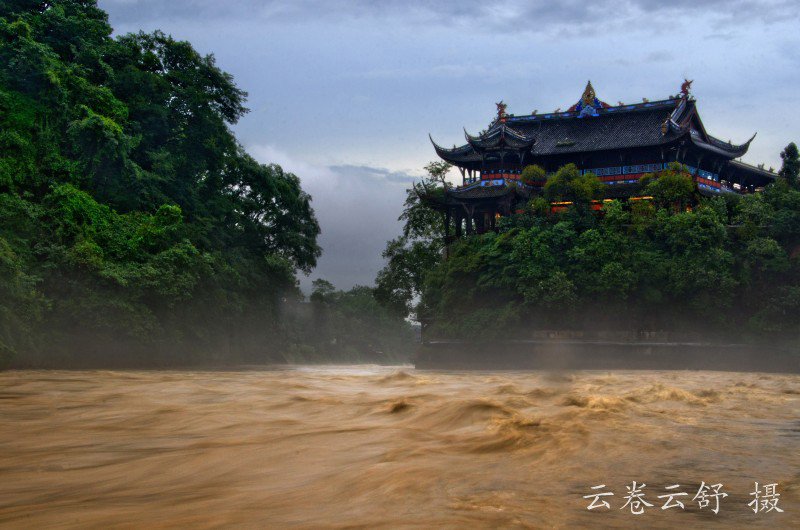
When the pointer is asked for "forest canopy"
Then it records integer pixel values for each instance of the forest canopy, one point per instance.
(134, 229)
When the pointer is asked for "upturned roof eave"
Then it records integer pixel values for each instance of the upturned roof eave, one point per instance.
(456, 155)
(734, 152)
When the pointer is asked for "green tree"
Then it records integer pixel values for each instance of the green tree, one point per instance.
(321, 290)
(351, 326)
(133, 225)
(568, 184)
(419, 248)
(669, 187)
(532, 174)
(790, 168)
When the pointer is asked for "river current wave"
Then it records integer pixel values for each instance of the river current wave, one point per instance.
(391, 447)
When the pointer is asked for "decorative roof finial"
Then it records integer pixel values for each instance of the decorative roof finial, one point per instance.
(501, 111)
(685, 88)
(588, 95)
(588, 105)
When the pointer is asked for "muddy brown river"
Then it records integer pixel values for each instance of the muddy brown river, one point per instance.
(391, 447)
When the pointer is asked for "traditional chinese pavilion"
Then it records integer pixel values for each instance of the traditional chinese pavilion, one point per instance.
(618, 143)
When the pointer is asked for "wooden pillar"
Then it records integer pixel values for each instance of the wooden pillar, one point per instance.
(458, 222)
(470, 212)
(446, 225)
(479, 223)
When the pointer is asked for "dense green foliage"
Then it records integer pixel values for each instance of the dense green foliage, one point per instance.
(531, 174)
(418, 250)
(568, 184)
(791, 165)
(727, 267)
(133, 227)
(670, 187)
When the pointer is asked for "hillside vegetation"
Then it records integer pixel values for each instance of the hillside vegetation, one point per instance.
(724, 268)
(134, 229)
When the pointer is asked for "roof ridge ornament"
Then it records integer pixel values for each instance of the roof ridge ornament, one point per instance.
(685, 86)
(501, 111)
(588, 105)
(589, 95)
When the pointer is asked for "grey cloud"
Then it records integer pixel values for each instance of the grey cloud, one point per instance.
(659, 57)
(358, 209)
(362, 173)
(512, 70)
(297, 10)
(510, 16)
(722, 36)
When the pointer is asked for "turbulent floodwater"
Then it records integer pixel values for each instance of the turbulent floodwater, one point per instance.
(384, 447)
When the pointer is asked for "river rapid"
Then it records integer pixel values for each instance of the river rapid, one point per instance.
(391, 447)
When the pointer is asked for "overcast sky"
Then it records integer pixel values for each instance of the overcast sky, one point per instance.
(344, 92)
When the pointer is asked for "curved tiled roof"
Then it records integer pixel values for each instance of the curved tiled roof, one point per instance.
(500, 136)
(456, 155)
(606, 131)
(625, 126)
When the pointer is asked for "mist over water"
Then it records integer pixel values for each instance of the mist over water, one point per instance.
(379, 447)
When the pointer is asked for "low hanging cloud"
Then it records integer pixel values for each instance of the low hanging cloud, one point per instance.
(357, 208)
